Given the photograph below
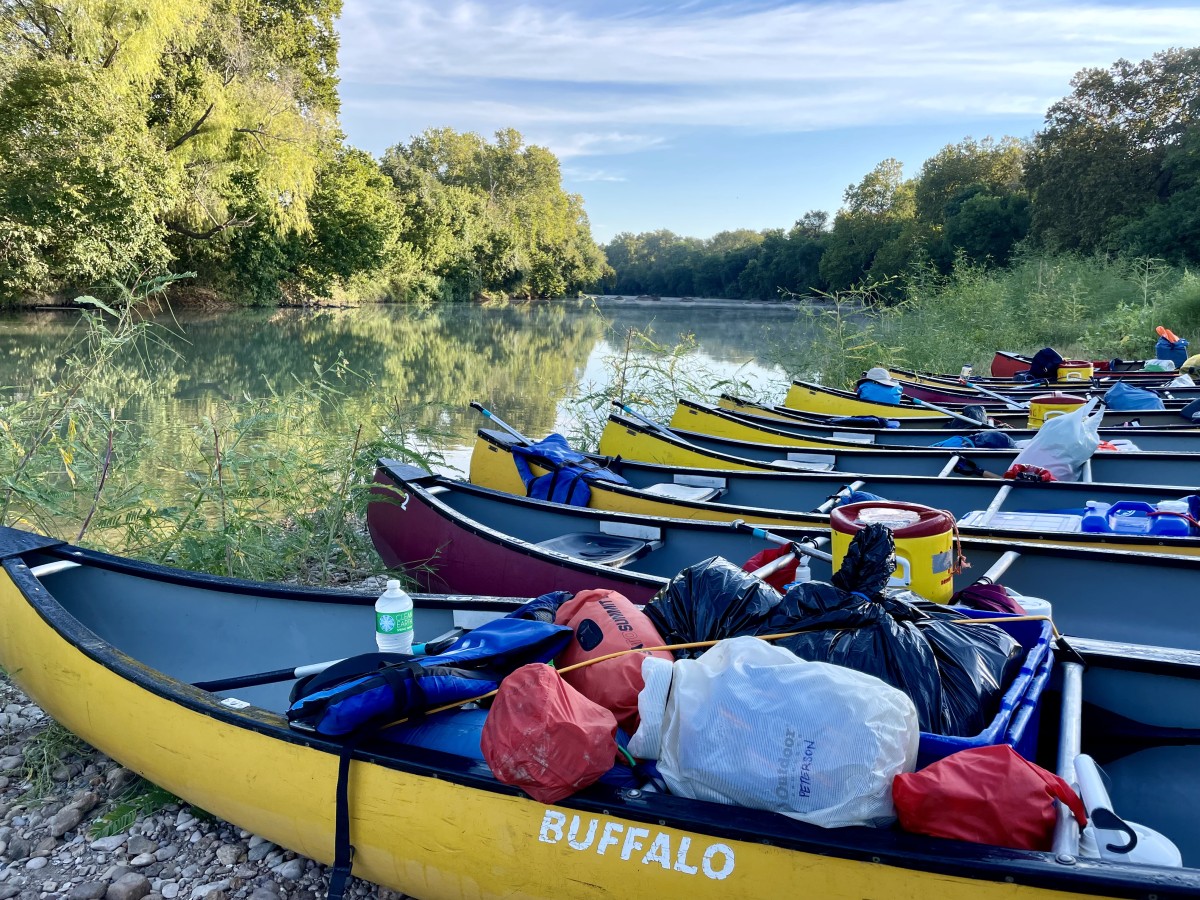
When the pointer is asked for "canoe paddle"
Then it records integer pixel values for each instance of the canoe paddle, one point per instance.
(1011, 403)
(645, 420)
(492, 417)
(974, 423)
(437, 645)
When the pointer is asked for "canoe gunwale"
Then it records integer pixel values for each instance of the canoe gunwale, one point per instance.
(879, 846)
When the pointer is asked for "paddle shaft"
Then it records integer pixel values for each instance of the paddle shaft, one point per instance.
(1007, 401)
(645, 420)
(273, 677)
(949, 412)
(492, 417)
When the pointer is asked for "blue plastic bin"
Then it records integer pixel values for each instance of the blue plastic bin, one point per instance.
(1016, 721)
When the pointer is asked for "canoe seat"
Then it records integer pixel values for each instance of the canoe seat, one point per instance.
(804, 466)
(673, 491)
(607, 549)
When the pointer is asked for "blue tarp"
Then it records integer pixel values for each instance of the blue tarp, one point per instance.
(1123, 396)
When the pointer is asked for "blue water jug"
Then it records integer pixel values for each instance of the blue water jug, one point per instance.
(1136, 517)
(1095, 519)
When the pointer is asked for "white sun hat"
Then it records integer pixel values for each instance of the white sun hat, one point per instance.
(880, 375)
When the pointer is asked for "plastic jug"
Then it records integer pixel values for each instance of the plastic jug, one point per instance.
(1136, 517)
(1095, 520)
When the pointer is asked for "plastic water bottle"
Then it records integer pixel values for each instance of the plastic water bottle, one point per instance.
(803, 574)
(394, 620)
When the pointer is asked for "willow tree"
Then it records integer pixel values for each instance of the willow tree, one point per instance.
(492, 217)
(219, 115)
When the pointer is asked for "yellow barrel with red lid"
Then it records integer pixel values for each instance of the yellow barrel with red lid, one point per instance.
(924, 542)
(1047, 406)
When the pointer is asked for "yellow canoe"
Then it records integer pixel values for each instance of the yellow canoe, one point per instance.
(493, 466)
(825, 401)
(109, 646)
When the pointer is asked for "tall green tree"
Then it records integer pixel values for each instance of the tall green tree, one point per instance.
(224, 109)
(872, 234)
(1099, 161)
(492, 217)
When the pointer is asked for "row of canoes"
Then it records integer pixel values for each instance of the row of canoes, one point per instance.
(827, 401)
(106, 644)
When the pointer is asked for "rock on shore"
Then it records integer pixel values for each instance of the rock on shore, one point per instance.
(46, 849)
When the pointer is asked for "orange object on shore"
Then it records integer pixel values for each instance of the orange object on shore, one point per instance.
(1167, 333)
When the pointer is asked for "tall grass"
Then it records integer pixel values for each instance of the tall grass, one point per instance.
(271, 488)
(649, 375)
(1089, 307)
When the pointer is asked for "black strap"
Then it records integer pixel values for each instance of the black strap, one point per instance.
(343, 850)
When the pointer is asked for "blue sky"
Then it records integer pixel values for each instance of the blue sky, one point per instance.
(706, 116)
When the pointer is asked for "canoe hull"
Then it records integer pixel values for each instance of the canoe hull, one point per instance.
(1092, 590)
(443, 831)
(792, 502)
(820, 400)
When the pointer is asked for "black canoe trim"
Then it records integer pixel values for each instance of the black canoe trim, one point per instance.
(882, 846)
(14, 542)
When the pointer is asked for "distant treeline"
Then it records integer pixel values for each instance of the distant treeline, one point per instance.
(202, 135)
(1115, 171)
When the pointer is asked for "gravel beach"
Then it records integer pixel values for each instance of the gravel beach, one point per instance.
(46, 847)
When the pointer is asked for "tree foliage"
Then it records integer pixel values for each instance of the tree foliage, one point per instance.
(204, 134)
(1100, 161)
(491, 217)
(1115, 169)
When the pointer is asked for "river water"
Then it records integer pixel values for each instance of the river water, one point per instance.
(530, 363)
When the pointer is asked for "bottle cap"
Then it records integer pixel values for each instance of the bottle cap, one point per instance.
(393, 584)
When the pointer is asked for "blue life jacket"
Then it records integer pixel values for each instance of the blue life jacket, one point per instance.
(357, 697)
(880, 393)
(569, 475)
(858, 497)
(984, 440)
(1124, 396)
(376, 688)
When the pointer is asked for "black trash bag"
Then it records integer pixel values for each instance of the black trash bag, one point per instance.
(869, 562)
(974, 411)
(874, 635)
(1044, 365)
(976, 664)
(710, 601)
(955, 675)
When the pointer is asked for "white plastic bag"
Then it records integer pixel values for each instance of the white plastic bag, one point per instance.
(1184, 380)
(754, 725)
(1064, 443)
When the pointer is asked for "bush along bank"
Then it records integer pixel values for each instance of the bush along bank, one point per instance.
(1089, 307)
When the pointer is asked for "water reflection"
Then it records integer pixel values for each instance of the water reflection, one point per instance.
(523, 361)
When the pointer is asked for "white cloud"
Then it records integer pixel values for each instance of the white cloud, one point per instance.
(571, 173)
(622, 80)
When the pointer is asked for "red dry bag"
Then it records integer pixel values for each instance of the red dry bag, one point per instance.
(545, 737)
(987, 795)
(606, 622)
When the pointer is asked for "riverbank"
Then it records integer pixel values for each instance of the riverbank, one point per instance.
(54, 790)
